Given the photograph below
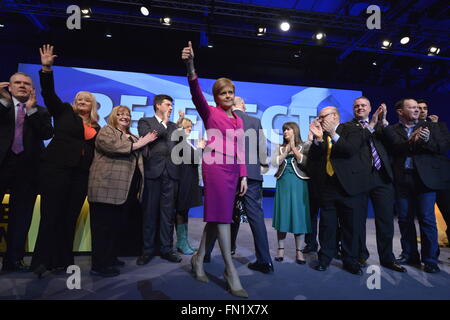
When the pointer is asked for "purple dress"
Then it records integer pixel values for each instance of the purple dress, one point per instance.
(223, 159)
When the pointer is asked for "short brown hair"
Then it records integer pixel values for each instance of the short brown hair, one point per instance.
(158, 99)
(113, 116)
(185, 122)
(399, 104)
(220, 84)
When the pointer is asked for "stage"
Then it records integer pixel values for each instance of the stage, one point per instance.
(162, 280)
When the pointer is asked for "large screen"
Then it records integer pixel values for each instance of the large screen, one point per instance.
(274, 104)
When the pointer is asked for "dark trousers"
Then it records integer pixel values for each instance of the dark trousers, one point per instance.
(21, 184)
(336, 206)
(63, 193)
(443, 202)
(412, 192)
(158, 214)
(382, 196)
(314, 207)
(255, 215)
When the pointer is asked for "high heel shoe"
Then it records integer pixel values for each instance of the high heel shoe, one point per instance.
(203, 278)
(278, 257)
(299, 261)
(241, 293)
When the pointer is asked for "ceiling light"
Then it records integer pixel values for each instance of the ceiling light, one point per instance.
(433, 50)
(374, 63)
(386, 44)
(419, 68)
(405, 40)
(320, 36)
(145, 11)
(260, 31)
(166, 21)
(86, 12)
(285, 26)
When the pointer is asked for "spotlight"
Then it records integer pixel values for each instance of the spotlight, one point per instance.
(405, 40)
(2, 25)
(145, 11)
(374, 63)
(285, 26)
(166, 21)
(86, 12)
(320, 36)
(386, 44)
(108, 35)
(298, 54)
(260, 31)
(419, 68)
(433, 50)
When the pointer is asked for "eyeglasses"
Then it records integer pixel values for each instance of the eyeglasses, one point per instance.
(324, 116)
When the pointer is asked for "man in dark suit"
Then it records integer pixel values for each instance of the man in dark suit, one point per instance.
(420, 168)
(161, 180)
(336, 165)
(381, 176)
(256, 160)
(23, 127)
(442, 196)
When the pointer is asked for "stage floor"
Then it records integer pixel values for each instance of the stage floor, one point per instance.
(162, 280)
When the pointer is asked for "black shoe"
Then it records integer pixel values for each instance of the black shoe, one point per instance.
(207, 258)
(353, 268)
(308, 249)
(362, 262)
(144, 259)
(17, 266)
(279, 258)
(321, 267)
(299, 261)
(261, 267)
(431, 268)
(171, 256)
(393, 266)
(105, 272)
(405, 260)
(118, 263)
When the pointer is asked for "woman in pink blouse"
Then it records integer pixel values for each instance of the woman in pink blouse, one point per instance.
(223, 170)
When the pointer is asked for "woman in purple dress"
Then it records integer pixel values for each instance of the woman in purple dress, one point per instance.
(223, 170)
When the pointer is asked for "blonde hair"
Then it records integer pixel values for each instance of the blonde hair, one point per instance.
(220, 84)
(113, 116)
(93, 116)
(185, 122)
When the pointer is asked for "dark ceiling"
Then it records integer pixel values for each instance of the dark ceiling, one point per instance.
(351, 55)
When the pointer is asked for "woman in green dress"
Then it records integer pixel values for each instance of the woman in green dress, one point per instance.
(291, 207)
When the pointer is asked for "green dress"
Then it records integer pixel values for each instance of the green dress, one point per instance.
(291, 206)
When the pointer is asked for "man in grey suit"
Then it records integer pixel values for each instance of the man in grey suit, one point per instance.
(256, 160)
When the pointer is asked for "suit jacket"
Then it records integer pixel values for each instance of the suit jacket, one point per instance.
(378, 138)
(36, 128)
(255, 152)
(159, 151)
(299, 166)
(345, 158)
(429, 158)
(216, 119)
(68, 148)
(113, 167)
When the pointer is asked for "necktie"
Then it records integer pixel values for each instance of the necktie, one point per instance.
(376, 161)
(17, 146)
(329, 167)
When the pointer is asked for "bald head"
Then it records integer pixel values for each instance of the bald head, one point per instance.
(239, 104)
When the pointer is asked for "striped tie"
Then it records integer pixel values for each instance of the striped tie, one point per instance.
(376, 161)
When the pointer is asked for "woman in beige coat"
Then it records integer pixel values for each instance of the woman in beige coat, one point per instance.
(115, 180)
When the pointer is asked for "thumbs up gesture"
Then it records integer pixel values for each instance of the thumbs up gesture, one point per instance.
(187, 55)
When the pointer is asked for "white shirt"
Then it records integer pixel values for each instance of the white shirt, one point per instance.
(160, 121)
(16, 107)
